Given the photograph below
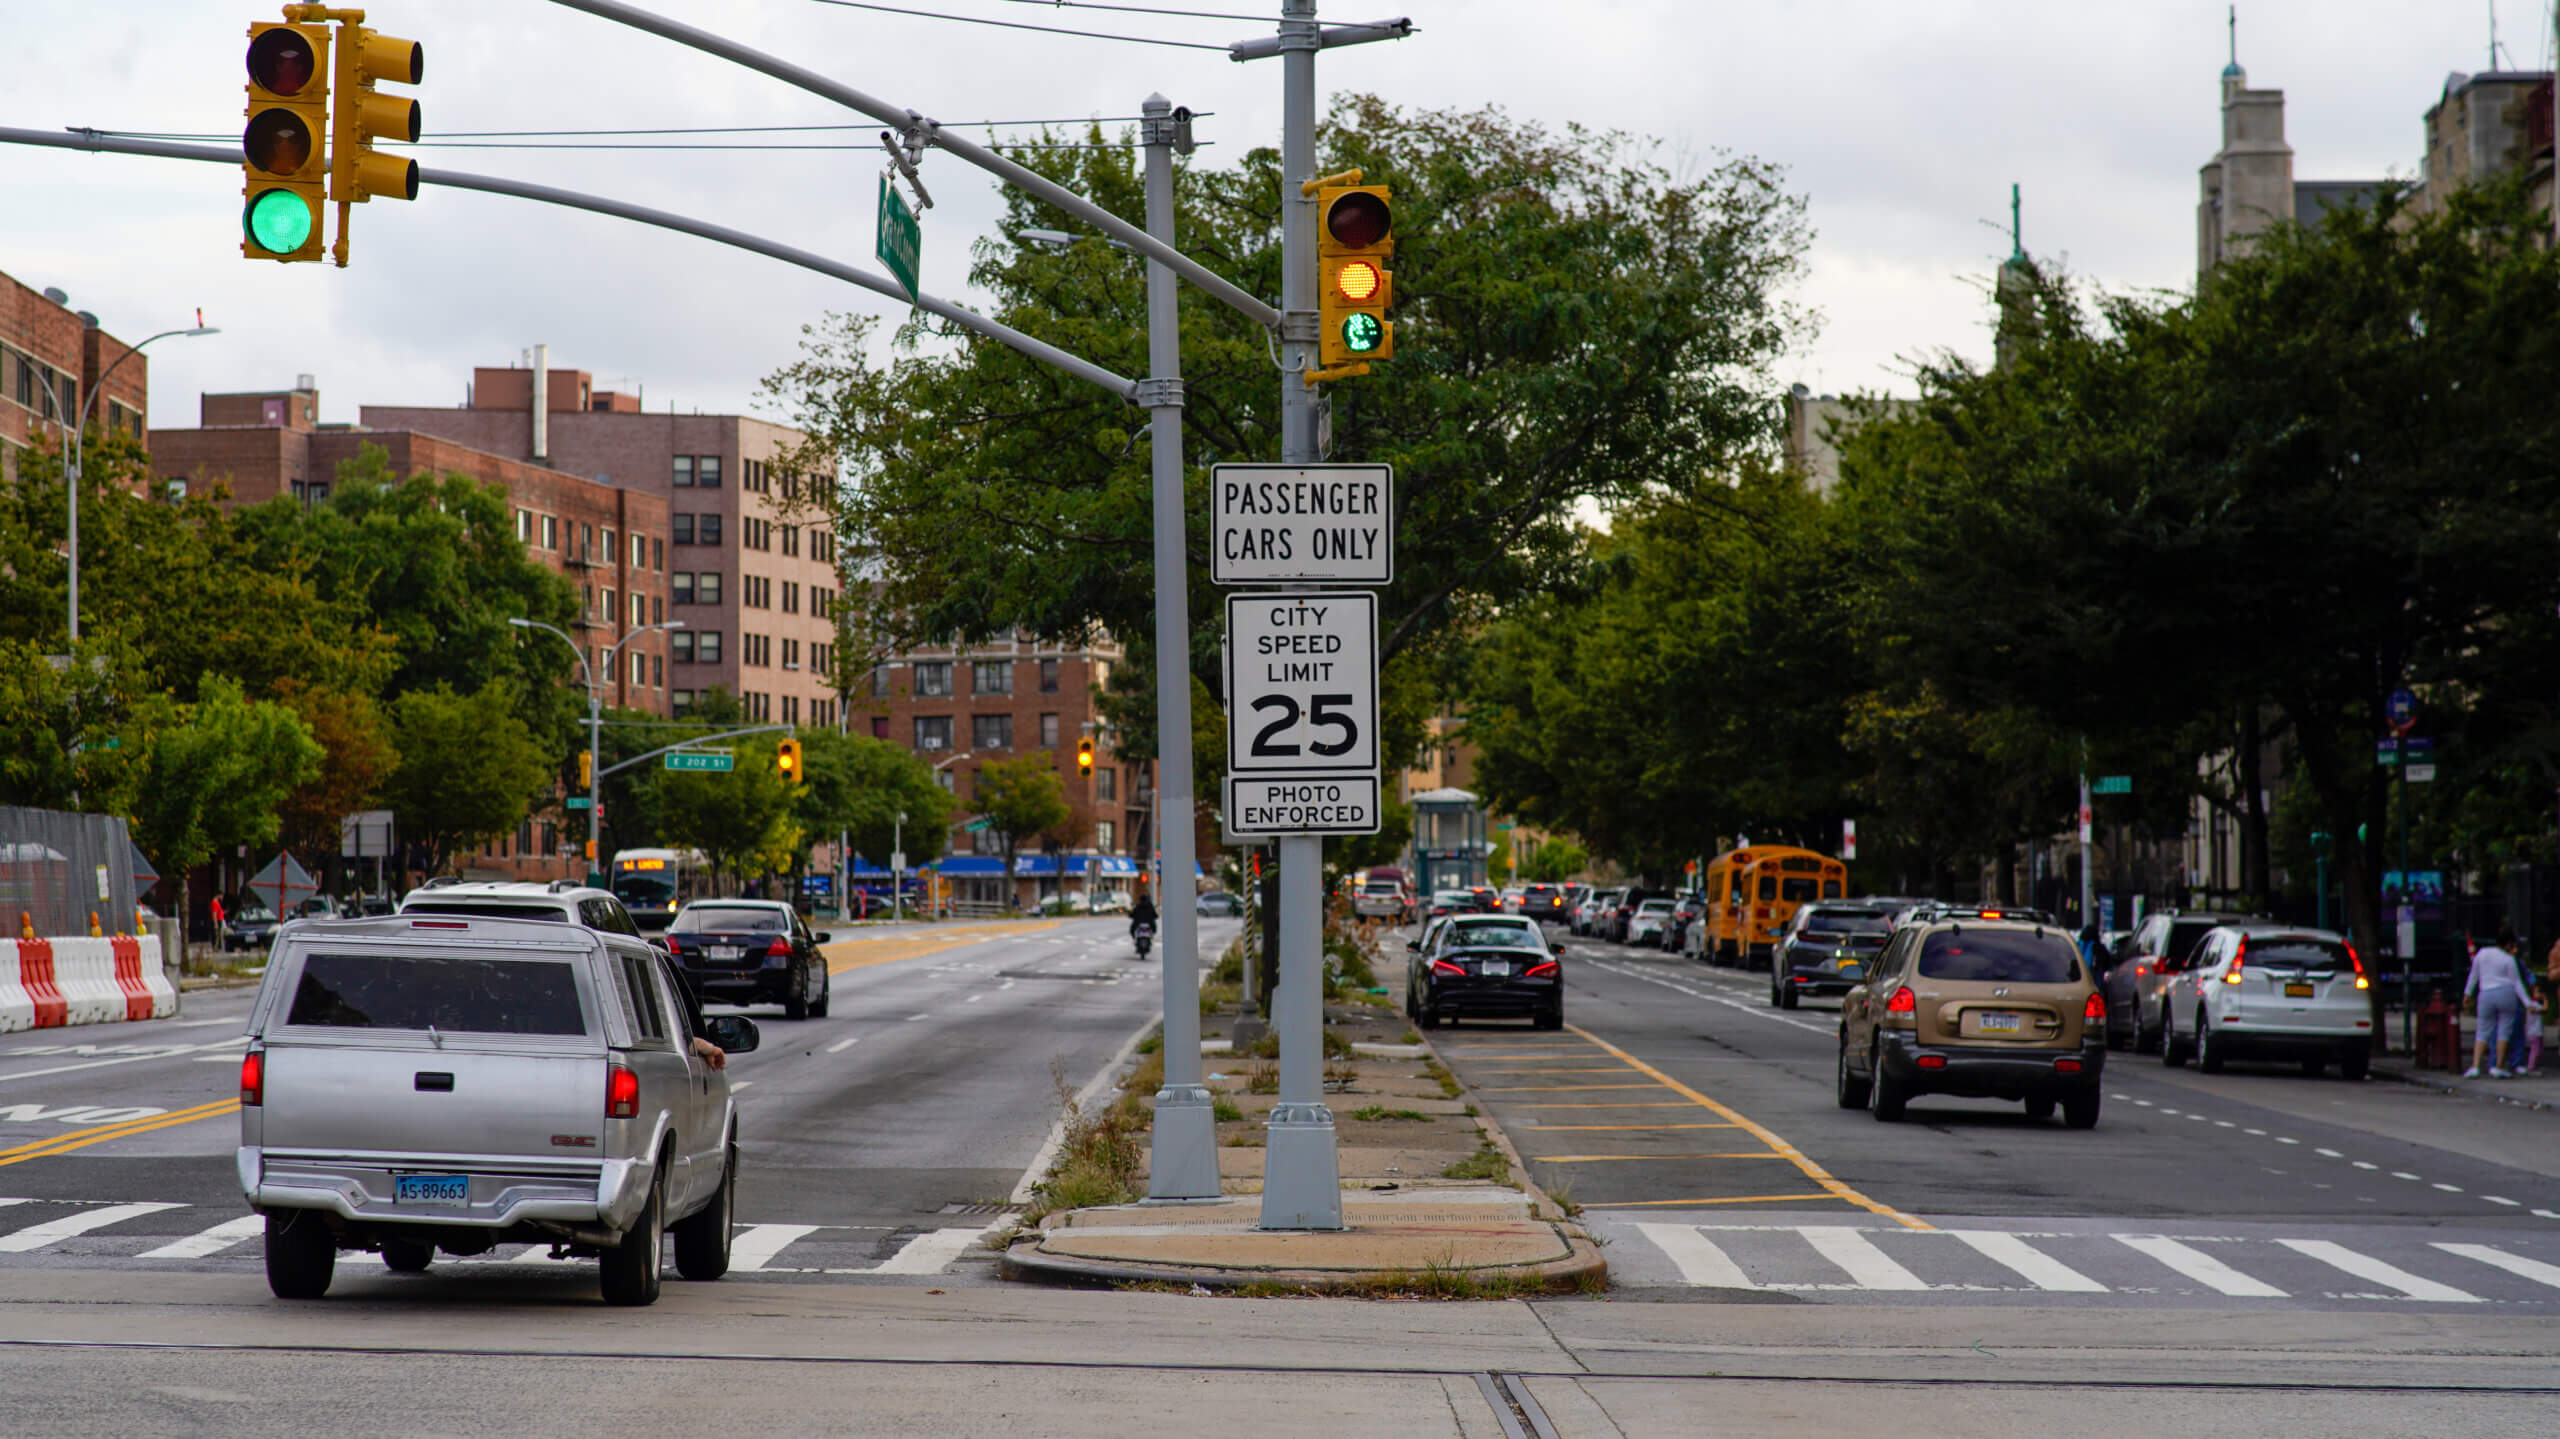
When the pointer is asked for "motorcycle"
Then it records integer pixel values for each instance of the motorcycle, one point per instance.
(1145, 935)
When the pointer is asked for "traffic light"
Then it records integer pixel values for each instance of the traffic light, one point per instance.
(586, 768)
(284, 150)
(358, 172)
(786, 759)
(1084, 756)
(1355, 237)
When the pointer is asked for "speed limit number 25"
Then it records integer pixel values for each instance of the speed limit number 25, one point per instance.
(1302, 682)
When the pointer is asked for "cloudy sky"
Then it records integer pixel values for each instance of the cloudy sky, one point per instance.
(1903, 123)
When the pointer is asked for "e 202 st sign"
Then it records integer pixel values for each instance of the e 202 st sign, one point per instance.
(1312, 524)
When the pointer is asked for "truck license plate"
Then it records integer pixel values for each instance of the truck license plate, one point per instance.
(2000, 1023)
(431, 1189)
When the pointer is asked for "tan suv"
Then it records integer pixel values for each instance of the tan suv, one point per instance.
(1980, 1008)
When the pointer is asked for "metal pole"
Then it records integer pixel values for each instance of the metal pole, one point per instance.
(1183, 1162)
(1302, 1170)
(897, 871)
(79, 452)
(2088, 856)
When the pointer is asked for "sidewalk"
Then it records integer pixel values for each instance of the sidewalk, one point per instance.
(1435, 1201)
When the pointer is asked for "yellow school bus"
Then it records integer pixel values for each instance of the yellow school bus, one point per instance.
(1753, 892)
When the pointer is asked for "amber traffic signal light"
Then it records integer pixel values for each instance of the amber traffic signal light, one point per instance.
(586, 767)
(284, 147)
(786, 760)
(1355, 237)
(1084, 756)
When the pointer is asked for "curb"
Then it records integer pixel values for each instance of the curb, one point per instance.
(1542, 1204)
(1023, 1262)
(2458, 1089)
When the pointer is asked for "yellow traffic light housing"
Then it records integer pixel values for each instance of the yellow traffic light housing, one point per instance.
(786, 759)
(1355, 237)
(357, 171)
(586, 767)
(284, 146)
(1084, 756)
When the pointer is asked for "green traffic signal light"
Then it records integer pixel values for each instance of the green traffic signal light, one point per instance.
(1362, 333)
(279, 221)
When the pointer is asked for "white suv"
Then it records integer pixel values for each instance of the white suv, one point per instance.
(563, 900)
(2268, 991)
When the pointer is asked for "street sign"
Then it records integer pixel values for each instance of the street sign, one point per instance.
(1302, 684)
(1848, 840)
(897, 860)
(579, 801)
(2421, 773)
(710, 760)
(1316, 524)
(1260, 805)
(2401, 709)
(2111, 784)
(900, 245)
(2386, 752)
(978, 825)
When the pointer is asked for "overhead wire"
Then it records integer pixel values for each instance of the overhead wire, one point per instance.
(1019, 25)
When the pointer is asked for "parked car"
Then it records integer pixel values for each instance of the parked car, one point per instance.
(1647, 922)
(1511, 894)
(1983, 1008)
(2135, 975)
(422, 1083)
(1450, 901)
(1383, 894)
(249, 925)
(2265, 991)
(751, 951)
(1218, 904)
(563, 901)
(1543, 902)
(1824, 950)
(1484, 967)
(1621, 913)
(1684, 915)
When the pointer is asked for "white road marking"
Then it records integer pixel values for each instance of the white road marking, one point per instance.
(2448, 1188)
(2364, 1164)
(1699, 1260)
(931, 1252)
(170, 1051)
(2225, 1124)
(54, 1231)
(2258, 1132)
(2328, 1154)
(756, 1244)
(217, 1059)
(972, 999)
(1755, 1011)
(841, 1045)
(2280, 1139)
(2545, 1214)
(2515, 1264)
(741, 1084)
(1867, 1266)
(2366, 1267)
(212, 1241)
(2199, 1266)
(2499, 1199)
(912, 1018)
(1008, 984)
(2402, 1174)
(2028, 1262)
(196, 1023)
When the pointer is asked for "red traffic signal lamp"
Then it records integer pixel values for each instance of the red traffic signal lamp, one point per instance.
(786, 760)
(1355, 237)
(284, 147)
(1084, 756)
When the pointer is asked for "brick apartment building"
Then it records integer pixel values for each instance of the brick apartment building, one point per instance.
(753, 580)
(51, 357)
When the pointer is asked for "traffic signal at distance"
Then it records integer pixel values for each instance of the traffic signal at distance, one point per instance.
(357, 171)
(1355, 237)
(1084, 756)
(586, 767)
(284, 148)
(786, 760)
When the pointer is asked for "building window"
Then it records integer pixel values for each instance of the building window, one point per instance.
(879, 726)
(612, 610)
(706, 471)
(1048, 677)
(790, 598)
(791, 654)
(684, 472)
(657, 670)
(683, 527)
(1106, 784)
(524, 526)
(706, 587)
(791, 540)
(933, 677)
(639, 552)
(639, 611)
(791, 709)
(990, 732)
(1048, 731)
(605, 543)
(657, 610)
(706, 646)
(933, 732)
(1104, 832)
(586, 542)
(680, 703)
(681, 585)
(639, 668)
(550, 532)
(658, 556)
(680, 644)
(991, 677)
(985, 841)
(707, 531)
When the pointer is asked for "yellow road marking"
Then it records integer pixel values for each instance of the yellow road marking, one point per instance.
(1765, 1135)
(1618, 1104)
(1599, 1069)
(1557, 1128)
(914, 946)
(1556, 1088)
(1604, 1158)
(1736, 1199)
(83, 1138)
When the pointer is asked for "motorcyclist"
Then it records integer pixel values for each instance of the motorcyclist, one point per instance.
(1143, 912)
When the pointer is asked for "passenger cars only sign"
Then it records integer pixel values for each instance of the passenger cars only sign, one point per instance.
(1302, 717)
(1311, 524)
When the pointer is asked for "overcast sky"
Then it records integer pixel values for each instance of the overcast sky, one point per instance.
(1902, 122)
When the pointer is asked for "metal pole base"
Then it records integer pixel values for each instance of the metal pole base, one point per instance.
(1301, 1169)
(1182, 1160)
(1246, 1032)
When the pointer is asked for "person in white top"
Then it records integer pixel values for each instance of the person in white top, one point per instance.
(2499, 984)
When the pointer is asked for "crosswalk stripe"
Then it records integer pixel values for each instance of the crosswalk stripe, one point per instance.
(211, 1241)
(756, 1244)
(2515, 1264)
(54, 1231)
(1697, 1256)
(2201, 1267)
(2029, 1263)
(2365, 1266)
(1867, 1266)
(930, 1252)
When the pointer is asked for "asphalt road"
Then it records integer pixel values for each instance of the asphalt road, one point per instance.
(880, 1142)
(1698, 1127)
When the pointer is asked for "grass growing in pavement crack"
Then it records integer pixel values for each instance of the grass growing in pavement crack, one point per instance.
(1449, 1086)
(1486, 1163)
(1223, 1111)
(1380, 1111)
(1099, 1159)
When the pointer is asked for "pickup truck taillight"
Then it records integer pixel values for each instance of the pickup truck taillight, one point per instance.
(621, 1093)
(253, 1078)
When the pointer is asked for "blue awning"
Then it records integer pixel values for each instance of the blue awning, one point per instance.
(971, 866)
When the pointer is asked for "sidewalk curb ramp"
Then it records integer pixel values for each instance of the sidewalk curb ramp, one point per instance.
(48, 983)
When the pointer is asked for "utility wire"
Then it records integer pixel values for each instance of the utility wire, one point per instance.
(1147, 10)
(1018, 25)
(444, 137)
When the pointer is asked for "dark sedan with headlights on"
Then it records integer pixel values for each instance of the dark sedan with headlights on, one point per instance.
(1484, 967)
(1825, 949)
(750, 951)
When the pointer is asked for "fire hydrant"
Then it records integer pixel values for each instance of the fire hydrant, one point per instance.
(2439, 1034)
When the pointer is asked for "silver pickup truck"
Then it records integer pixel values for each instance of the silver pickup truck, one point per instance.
(416, 1083)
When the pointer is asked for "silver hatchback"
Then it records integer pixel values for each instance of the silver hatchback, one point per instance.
(417, 1083)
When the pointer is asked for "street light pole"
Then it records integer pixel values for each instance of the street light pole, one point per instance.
(899, 834)
(595, 719)
(79, 432)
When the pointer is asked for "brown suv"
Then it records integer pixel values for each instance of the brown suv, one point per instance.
(1985, 1009)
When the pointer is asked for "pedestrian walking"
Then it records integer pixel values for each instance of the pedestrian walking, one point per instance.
(2498, 984)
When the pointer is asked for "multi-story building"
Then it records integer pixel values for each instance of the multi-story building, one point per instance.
(2492, 123)
(51, 358)
(748, 571)
(2248, 185)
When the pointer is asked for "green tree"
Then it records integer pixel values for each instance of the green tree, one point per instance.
(469, 769)
(740, 820)
(214, 774)
(859, 786)
(67, 725)
(1020, 797)
(356, 760)
(1555, 860)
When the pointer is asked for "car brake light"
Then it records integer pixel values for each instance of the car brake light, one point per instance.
(1993, 914)
(2358, 962)
(1442, 966)
(1538, 969)
(621, 1093)
(1932, 1061)
(779, 949)
(2066, 1066)
(2239, 957)
(2096, 1008)
(1903, 1002)
(253, 1078)
(439, 924)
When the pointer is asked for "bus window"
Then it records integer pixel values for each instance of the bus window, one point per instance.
(1831, 889)
(1800, 888)
(1768, 886)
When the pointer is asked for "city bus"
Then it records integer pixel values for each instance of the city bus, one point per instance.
(1753, 892)
(651, 883)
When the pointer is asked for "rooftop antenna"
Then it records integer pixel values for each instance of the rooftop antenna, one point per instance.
(2017, 243)
(2234, 20)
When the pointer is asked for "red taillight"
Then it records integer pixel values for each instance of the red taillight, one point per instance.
(1932, 1061)
(2096, 1008)
(439, 924)
(1993, 914)
(779, 949)
(1903, 1002)
(2352, 958)
(1442, 966)
(2066, 1066)
(1538, 969)
(2238, 957)
(253, 1078)
(621, 1093)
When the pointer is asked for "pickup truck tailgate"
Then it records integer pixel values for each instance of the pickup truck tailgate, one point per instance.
(457, 1100)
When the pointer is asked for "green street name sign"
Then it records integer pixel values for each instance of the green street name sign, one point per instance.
(710, 760)
(900, 245)
(979, 826)
(2112, 784)
(579, 801)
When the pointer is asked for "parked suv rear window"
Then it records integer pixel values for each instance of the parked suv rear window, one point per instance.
(2000, 956)
(2289, 953)
(464, 996)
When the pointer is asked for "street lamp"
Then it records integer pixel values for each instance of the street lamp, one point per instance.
(595, 718)
(898, 846)
(79, 429)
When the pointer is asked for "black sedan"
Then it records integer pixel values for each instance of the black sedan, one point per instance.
(750, 951)
(1825, 950)
(1485, 971)
(1544, 901)
(250, 926)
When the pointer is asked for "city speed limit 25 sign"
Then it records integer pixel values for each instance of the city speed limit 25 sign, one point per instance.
(1302, 713)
